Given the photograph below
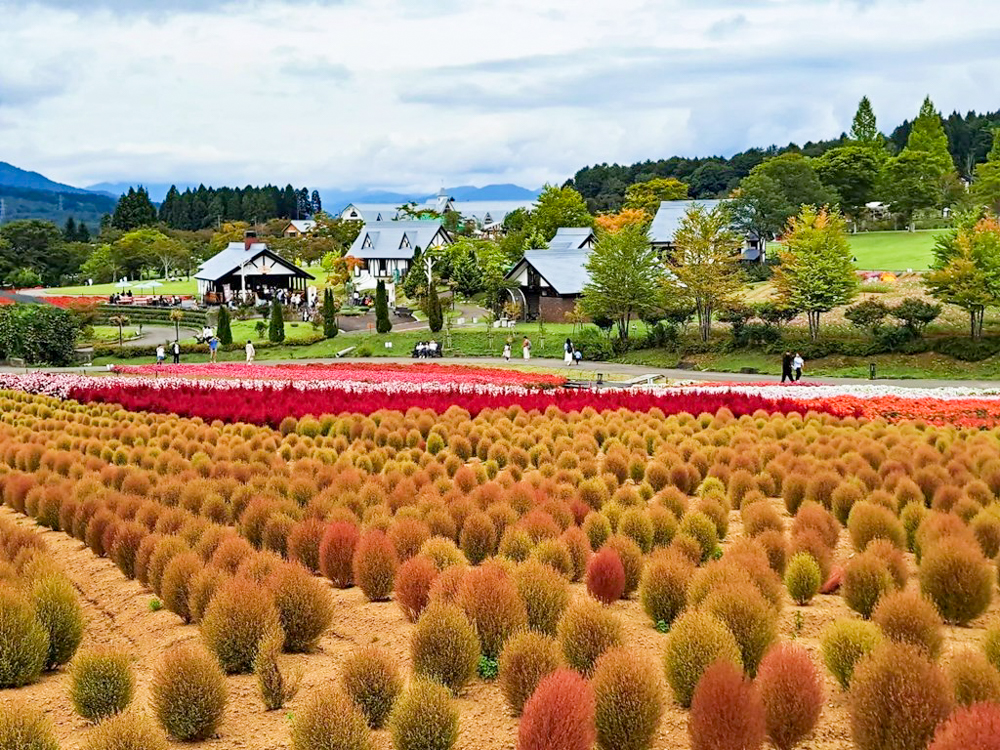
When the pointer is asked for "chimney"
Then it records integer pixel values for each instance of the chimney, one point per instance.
(249, 238)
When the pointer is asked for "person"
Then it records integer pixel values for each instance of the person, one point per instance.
(176, 351)
(506, 351)
(797, 364)
(251, 352)
(213, 349)
(577, 355)
(433, 348)
(786, 367)
(526, 348)
(161, 354)
(568, 352)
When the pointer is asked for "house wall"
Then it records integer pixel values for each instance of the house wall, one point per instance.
(554, 309)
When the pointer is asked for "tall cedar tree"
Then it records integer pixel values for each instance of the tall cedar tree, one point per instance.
(928, 136)
(817, 269)
(225, 331)
(276, 330)
(864, 129)
(986, 188)
(134, 210)
(329, 311)
(706, 263)
(435, 316)
(382, 322)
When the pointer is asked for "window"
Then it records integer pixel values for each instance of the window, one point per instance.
(404, 243)
(383, 267)
(368, 242)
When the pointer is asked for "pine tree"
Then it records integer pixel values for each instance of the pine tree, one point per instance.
(276, 329)
(382, 322)
(69, 231)
(929, 137)
(329, 312)
(317, 203)
(435, 316)
(864, 130)
(986, 188)
(82, 232)
(225, 331)
(134, 210)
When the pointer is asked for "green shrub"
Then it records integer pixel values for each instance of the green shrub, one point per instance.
(843, 642)
(637, 525)
(630, 697)
(907, 617)
(101, 683)
(371, 678)
(586, 630)
(25, 728)
(330, 720)
(749, 617)
(490, 599)
(663, 590)
(305, 607)
(802, 578)
(866, 580)
(957, 579)
(24, 642)
(545, 594)
(424, 718)
(240, 614)
(275, 689)
(555, 554)
(525, 660)
(700, 526)
(444, 646)
(478, 539)
(58, 609)
(991, 645)
(973, 679)
(696, 640)
(188, 693)
(868, 521)
(127, 731)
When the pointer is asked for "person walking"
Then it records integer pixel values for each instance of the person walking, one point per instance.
(251, 352)
(176, 351)
(161, 355)
(797, 364)
(213, 349)
(526, 348)
(506, 351)
(786, 367)
(568, 353)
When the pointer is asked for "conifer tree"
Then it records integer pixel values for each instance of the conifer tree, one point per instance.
(382, 322)
(329, 313)
(276, 329)
(224, 330)
(435, 315)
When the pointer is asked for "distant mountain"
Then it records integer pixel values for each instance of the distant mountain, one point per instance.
(505, 192)
(335, 199)
(14, 177)
(49, 205)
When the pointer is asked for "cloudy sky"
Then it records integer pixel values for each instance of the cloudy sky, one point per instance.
(413, 94)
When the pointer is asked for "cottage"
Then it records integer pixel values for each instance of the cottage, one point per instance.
(245, 268)
(387, 247)
(668, 220)
(298, 228)
(549, 281)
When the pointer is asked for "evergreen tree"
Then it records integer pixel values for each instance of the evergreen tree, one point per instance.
(82, 232)
(134, 210)
(224, 330)
(276, 329)
(928, 136)
(435, 315)
(317, 203)
(986, 188)
(382, 322)
(329, 313)
(69, 230)
(864, 129)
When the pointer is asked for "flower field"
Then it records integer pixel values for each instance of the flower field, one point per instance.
(431, 557)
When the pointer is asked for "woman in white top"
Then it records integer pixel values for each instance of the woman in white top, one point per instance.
(568, 353)
(251, 352)
(526, 348)
(506, 352)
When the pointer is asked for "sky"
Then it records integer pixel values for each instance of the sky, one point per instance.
(407, 95)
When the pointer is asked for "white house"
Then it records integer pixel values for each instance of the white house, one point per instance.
(668, 220)
(298, 228)
(387, 247)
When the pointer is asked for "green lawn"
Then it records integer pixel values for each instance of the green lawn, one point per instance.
(894, 251)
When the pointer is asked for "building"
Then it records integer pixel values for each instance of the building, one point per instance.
(668, 219)
(387, 247)
(488, 216)
(550, 280)
(435, 207)
(298, 228)
(245, 268)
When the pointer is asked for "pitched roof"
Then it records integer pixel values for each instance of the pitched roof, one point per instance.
(669, 215)
(375, 211)
(571, 238)
(394, 239)
(235, 255)
(303, 225)
(565, 270)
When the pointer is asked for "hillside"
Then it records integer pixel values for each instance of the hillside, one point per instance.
(24, 203)
(15, 177)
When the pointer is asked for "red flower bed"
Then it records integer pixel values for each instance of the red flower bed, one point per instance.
(270, 404)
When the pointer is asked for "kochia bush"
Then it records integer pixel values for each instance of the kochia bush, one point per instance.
(374, 565)
(726, 711)
(444, 646)
(526, 658)
(957, 579)
(695, 642)
(424, 718)
(606, 576)
(586, 630)
(101, 683)
(188, 693)
(630, 697)
(559, 715)
(791, 691)
(240, 614)
(372, 679)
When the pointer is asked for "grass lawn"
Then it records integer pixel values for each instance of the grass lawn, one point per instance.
(895, 251)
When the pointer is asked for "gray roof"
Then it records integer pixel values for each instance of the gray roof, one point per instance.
(669, 215)
(571, 238)
(235, 255)
(375, 211)
(386, 239)
(565, 270)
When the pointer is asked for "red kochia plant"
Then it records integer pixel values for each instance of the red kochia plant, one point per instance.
(303, 543)
(336, 553)
(606, 576)
(413, 584)
(792, 693)
(375, 563)
(560, 715)
(974, 728)
(726, 711)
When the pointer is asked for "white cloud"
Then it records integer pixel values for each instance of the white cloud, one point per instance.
(406, 94)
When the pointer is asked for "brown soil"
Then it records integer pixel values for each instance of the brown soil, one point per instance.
(118, 612)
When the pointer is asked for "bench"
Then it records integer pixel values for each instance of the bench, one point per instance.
(84, 356)
(344, 352)
(17, 362)
(404, 312)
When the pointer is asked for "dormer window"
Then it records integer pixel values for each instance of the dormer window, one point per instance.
(405, 243)
(367, 243)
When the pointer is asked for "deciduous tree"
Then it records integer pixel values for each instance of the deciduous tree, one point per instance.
(648, 195)
(559, 207)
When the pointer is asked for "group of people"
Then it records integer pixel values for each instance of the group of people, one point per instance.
(571, 355)
(175, 351)
(425, 349)
(361, 300)
(791, 367)
(160, 301)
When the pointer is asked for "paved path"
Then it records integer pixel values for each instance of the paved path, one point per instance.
(620, 371)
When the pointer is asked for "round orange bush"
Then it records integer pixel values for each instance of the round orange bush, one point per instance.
(126, 545)
(791, 691)
(371, 678)
(188, 693)
(726, 711)
(907, 617)
(973, 679)
(663, 590)
(586, 630)
(545, 594)
(606, 576)
(413, 584)
(202, 588)
(811, 515)
(632, 561)
(974, 728)
(444, 646)
(374, 565)
(303, 543)
(761, 516)
(897, 698)
(957, 579)
(304, 606)
(526, 658)
(478, 538)
(408, 534)
(239, 616)
(696, 640)
(630, 696)
(336, 553)
(490, 599)
(559, 715)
